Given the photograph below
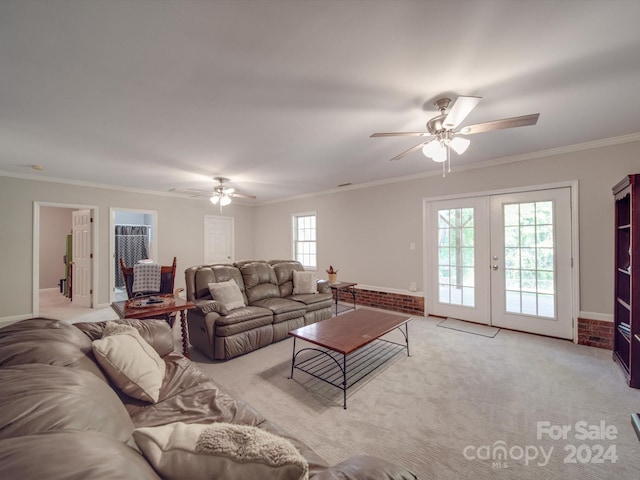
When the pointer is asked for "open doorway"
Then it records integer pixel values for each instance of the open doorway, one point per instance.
(133, 235)
(52, 258)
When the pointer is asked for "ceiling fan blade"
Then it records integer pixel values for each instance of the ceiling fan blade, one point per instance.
(459, 111)
(192, 192)
(401, 134)
(522, 121)
(242, 195)
(407, 152)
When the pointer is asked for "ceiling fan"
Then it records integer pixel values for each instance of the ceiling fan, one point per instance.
(221, 194)
(443, 128)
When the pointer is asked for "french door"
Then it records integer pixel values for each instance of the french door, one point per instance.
(459, 247)
(503, 260)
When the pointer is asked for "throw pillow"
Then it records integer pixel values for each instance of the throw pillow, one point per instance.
(228, 293)
(304, 282)
(131, 364)
(220, 450)
(115, 328)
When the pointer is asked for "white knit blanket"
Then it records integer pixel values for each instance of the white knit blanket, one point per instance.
(245, 443)
(146, 277)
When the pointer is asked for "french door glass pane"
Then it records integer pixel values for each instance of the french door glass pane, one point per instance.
(529, 258)
(456, 254)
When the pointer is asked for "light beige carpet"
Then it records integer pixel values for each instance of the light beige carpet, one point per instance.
(453, 407)
(469, 327)
(445, 411)
(54, 304)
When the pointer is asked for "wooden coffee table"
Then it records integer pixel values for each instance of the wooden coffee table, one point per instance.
(135, 308)
(352, 346)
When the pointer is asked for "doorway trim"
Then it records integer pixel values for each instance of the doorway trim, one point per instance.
(35, 275)
(153, 253)
(575, 240)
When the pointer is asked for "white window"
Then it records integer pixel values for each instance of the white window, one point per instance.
(304, 239)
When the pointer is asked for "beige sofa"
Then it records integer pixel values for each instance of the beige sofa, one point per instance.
(65, 415)
(272, 306)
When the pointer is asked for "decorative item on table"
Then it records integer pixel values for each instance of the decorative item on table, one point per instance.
(142, 301)
(154, 300)
(333, 274)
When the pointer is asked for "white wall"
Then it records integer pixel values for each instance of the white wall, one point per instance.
(132, 218)
(366, 232)
(55, 225)
(180, 232)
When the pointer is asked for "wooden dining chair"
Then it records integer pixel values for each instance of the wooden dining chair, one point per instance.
(167, 279)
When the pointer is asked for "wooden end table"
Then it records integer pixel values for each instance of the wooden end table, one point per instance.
(346, 286)
(135, 308)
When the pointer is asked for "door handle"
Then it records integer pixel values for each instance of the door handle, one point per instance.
(494, 267)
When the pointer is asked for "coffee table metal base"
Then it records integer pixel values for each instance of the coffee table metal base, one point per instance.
(344, 371)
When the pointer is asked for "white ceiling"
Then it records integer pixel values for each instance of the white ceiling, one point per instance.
(282, 95)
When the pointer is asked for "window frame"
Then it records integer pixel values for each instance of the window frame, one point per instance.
(294, 237)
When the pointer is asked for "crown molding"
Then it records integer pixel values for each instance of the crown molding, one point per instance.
(605, 142)
(82, 183)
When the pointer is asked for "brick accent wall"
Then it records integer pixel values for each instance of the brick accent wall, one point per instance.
(595, 333)
(396, 302)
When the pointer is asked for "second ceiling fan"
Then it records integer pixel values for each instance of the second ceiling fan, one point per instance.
(221, 194)
(443, 128)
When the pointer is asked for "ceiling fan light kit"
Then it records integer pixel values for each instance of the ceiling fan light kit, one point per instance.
(460, 144)
(435, 150)
(443, 128)
(221, 195)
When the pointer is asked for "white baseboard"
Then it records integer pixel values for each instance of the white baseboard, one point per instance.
(398, 291)
(605, 317)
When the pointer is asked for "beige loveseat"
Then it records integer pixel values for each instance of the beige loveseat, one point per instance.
(269, 305)
(65, 415)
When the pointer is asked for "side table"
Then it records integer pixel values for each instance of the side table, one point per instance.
(134, 308)
(346, 286)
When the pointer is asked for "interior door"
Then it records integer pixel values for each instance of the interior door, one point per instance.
(218, 239)
(503, 260)
(82, 272)
(531, 262)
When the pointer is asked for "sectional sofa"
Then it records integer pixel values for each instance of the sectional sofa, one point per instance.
(271, 299)
(114, 400)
